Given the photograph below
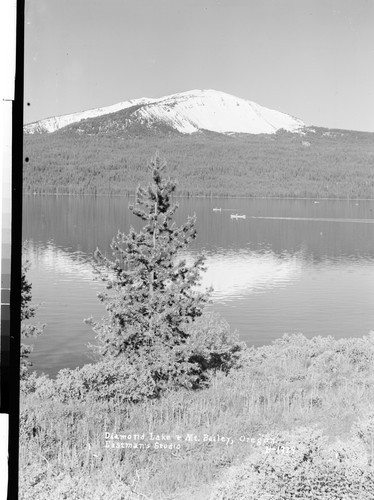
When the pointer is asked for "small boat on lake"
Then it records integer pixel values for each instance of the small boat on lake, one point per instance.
(237, 216)
(217, 209)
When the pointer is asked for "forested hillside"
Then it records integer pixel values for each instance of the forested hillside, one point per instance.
(321, 163)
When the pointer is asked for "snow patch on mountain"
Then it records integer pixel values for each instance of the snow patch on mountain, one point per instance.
(189, 112)
(56, 122)
(216, 111)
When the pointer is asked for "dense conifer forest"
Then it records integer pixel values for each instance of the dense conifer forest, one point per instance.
(323, 163)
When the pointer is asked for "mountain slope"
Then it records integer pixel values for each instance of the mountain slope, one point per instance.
(57, 122)
(186, 113)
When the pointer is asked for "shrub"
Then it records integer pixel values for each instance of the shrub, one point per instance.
(213, 347)
(109, 380)
(301, 466)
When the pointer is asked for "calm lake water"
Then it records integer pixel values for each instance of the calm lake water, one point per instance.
(290, 266)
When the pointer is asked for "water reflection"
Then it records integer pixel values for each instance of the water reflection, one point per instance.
(234, 275)
(282, 272)
(63, 261)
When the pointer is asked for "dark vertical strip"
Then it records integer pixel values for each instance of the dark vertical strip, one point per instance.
(16, 257)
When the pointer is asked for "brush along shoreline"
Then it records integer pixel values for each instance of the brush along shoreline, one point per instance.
(300, 413)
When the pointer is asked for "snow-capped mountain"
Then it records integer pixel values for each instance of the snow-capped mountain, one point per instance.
(56, 122)
(186, 112)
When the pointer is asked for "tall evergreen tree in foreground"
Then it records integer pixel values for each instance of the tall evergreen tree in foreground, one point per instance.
(27, 329)
(152, 297)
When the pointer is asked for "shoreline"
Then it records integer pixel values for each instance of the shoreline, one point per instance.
(231, 197)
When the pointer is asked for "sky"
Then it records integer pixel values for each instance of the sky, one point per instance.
(312, 59)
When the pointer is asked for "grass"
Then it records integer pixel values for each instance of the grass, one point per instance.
(313, 396)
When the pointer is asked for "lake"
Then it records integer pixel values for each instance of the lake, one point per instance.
(291, 266)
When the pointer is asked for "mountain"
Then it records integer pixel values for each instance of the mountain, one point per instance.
(54, 123)
(186, 113)
(215, 145)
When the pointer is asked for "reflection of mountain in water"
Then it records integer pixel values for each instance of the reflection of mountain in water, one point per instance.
(64, 262)
(230, 274)
(262, 293)
(234, 275)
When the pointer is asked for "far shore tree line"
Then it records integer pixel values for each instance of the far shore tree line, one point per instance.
(334, 164)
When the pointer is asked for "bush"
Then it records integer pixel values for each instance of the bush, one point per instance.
(213, 347)
(42, 385)
(301, 466)
(109, 380)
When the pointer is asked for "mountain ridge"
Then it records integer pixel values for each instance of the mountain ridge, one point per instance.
(185, 112)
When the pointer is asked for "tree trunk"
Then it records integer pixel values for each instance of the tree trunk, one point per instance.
(154, 246)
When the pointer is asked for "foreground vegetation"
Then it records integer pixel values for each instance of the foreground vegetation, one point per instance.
(178, 407)
(313, 397)
(324, 163)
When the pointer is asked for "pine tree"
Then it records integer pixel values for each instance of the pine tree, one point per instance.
(27, 329)
(152, 297)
